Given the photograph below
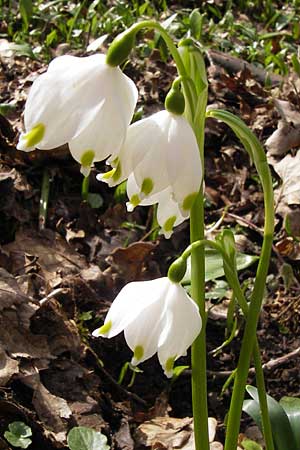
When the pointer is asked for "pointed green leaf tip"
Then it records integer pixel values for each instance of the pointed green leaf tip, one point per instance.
(177, 270)
(174, 102)
(35, 135)
(120, 48)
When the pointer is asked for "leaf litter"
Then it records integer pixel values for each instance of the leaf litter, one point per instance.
(51, 369)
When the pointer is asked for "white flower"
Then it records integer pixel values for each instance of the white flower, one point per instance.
(156, 316)
(168, 212)
(161, 152)
(83, 102)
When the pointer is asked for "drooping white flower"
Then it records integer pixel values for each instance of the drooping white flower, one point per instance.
(83, 102)
(168, 213)
(161, 152)
(156, 316)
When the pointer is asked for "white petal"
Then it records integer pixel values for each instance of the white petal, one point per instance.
(183, 324)
(68, 100)
(144, 332)
(183, 161)
(130, 303)
(144, 146)
(168, 213)
(106, 131)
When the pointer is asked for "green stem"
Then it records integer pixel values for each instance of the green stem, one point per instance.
(85, 188)
(44, 199)
(232, 278)
(263, 403)
(199, 385)
(188, 89)
(199, 377)
(257, 153)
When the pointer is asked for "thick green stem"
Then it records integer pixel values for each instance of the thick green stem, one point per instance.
(188, 90)
(199, 389)
(199, 376)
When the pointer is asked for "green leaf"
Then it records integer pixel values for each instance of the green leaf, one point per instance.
(21, 50)
(18, 435)
(83, 438)
(26, 10)
(281, 428)
(6, 108)
(214, 265)
(296, 64)
(196, 20)
(291, 407)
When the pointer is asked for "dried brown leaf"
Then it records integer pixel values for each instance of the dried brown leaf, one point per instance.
(289, 171)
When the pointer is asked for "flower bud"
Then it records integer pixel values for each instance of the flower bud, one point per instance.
(174, 102)
(177, 270)
(120, 48)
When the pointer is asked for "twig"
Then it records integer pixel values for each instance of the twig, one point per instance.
(270, 365)
(53, 294)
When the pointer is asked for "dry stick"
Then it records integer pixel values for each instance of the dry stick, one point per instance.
(270, 365)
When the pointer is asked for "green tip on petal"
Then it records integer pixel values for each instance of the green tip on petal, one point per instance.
(105, 328)
(188, 201)
(169, 366)
(108, 175)
(138, 353)
(135, 200)
(35, 135)
(169, 224)
(87, 158)
(147, 186)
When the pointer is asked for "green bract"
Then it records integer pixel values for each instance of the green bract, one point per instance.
(120, 48)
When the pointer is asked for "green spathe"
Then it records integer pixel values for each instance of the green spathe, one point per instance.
(174, 102)
(177, 270)
(120, 48)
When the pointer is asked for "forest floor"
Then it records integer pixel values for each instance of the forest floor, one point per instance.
(58, 279)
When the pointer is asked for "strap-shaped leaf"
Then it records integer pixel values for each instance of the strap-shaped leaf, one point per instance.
(256, 153)
(291, 407)
(281, 428)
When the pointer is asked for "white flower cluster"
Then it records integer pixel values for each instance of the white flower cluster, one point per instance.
(89, 104)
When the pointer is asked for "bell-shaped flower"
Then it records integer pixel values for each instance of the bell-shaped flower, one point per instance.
(83, 102)
(168, 213)
(162, 152)
(156, 316)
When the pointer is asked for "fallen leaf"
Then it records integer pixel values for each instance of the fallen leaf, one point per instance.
(129, 262)
(289, 171)
(171, 433)
(287, 135)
